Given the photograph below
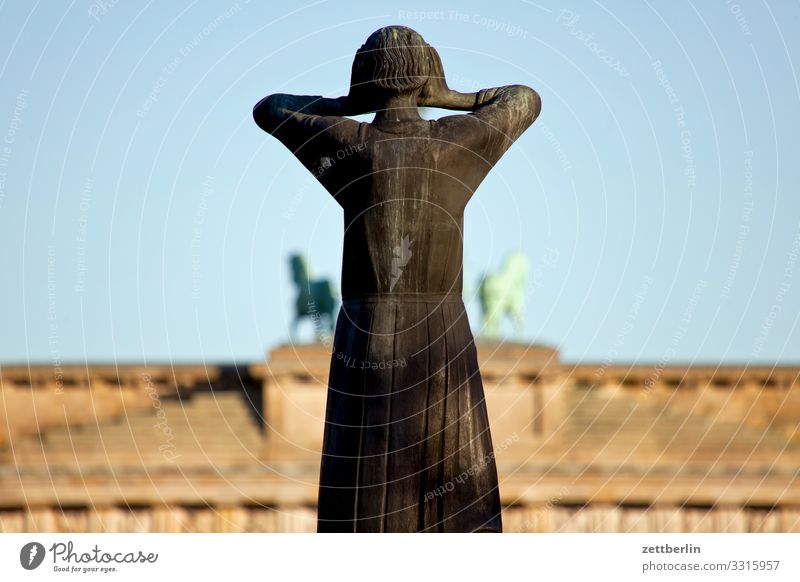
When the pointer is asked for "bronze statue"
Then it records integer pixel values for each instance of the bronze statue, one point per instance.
(503, 294)
(407, 446)
(314, 299)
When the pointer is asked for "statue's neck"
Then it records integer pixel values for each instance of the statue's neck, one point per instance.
(398, 108)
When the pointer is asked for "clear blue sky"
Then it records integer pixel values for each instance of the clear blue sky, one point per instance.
(143, 216)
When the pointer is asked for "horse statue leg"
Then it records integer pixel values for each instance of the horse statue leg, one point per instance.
(491, 318)
(327, 305)
(331, 322)
(518, 322)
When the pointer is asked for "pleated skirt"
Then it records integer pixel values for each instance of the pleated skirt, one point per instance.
(407, 446)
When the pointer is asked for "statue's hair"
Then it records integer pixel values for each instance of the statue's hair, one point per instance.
(394, 58)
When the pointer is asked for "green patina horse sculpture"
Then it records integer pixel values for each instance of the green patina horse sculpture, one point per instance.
(502, 294)
(315, 299)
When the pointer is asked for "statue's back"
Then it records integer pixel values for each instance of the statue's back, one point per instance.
(400, 182)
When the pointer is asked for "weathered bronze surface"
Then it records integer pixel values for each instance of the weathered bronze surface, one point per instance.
(407, 445)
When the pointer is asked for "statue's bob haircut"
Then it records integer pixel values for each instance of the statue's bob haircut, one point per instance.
(394, 59)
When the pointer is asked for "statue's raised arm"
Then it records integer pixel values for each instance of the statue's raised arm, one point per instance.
(498, 115)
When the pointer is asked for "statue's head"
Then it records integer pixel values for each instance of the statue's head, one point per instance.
(393, 61)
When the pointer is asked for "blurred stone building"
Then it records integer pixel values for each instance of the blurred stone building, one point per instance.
(579, 448)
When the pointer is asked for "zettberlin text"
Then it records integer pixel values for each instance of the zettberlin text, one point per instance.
(667, 549)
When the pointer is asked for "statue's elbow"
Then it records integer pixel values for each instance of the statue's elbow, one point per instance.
(264, 114)
(537, 105)
(532, 101)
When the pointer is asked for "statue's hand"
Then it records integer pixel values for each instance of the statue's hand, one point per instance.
(360, 98)
(435, 91)
(357, 102)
